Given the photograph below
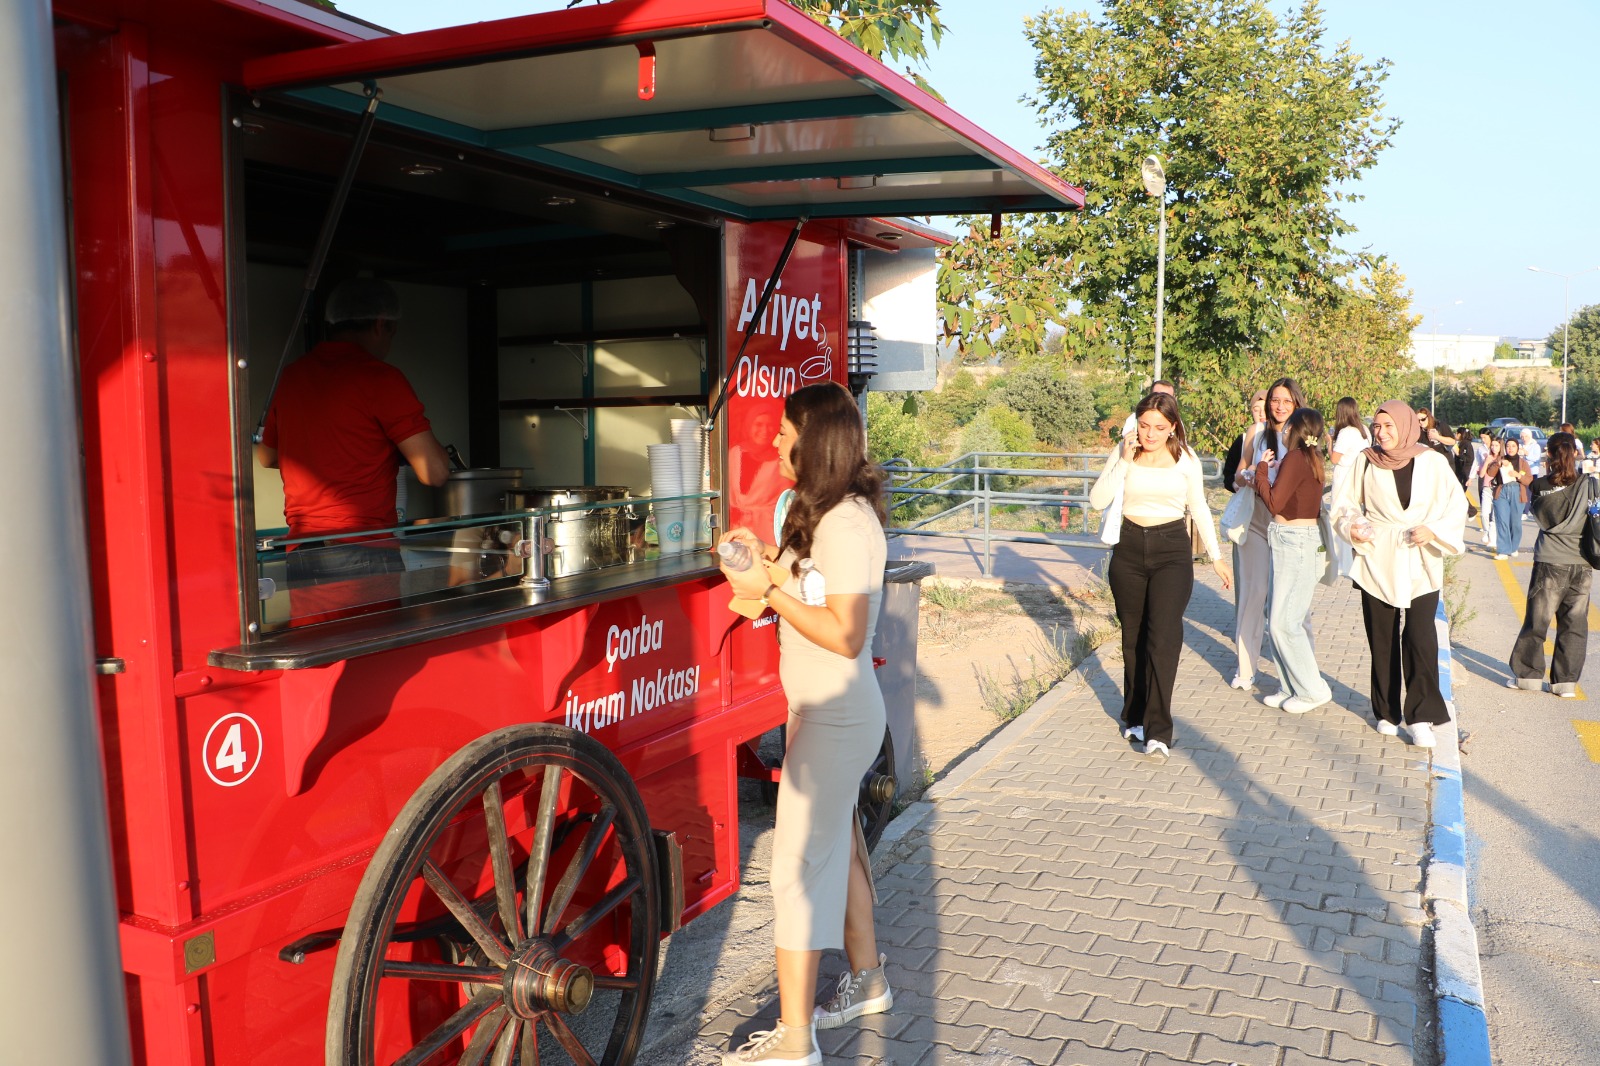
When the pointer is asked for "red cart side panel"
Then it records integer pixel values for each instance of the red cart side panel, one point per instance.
(800, 340)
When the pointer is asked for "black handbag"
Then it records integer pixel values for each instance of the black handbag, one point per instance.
(1589, 538)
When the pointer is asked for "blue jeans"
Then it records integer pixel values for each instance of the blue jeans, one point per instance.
(1508, 520)
(1296, 567)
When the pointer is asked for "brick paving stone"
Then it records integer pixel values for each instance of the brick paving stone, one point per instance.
(1311, 1041)
(1180, 1020)
(1076, 1053)
(1255, 899)
(1209, 1049)
(1346, 1047)
(1359, 1026)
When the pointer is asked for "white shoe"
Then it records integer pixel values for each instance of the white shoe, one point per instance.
(1499, 556)
(864, 992)
(1513, 555)
(1276, 699)
(765, 1048)
(1133, 732)
(1299, 705)
(1155, 747)
(1388, 729)
(1242, 683)
(1422, 735)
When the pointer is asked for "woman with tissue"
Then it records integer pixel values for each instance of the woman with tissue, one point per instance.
(824, 581)
(1402, 512)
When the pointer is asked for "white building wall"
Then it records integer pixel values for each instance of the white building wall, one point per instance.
(1454, 352)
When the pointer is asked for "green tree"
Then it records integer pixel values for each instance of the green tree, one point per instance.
(1583, 342)
(1263, 128)
(1059, 406)
(892, 433)
(997, 428)
(1504, 350)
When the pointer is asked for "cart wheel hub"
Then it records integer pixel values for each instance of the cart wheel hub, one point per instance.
(538, 979)
(880, 788)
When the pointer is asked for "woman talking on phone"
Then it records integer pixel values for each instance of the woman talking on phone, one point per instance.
(1152, 566)
(826, 595)
(1402, 512)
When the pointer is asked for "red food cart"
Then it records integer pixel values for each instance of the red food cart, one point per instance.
(448, 815)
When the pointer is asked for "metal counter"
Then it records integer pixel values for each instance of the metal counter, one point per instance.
(329, 642)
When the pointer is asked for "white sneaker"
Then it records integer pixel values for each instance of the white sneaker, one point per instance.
(1388, 729)
(1422, 735)
(1277, 699)
(1497, 555)
(1300, 705)
(1244, 684)
(1565, 693)
(864, 992)
(1155, 747)
(1513, 555)
(1133, 732)
(766, 1048)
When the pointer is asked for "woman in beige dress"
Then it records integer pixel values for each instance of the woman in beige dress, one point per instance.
(826, 598)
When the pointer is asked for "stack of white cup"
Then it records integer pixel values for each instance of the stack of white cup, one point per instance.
(690, 438)
(667, 477)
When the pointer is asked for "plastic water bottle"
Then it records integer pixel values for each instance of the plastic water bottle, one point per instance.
(735, 556)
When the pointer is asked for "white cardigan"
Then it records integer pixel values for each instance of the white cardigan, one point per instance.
(1386, 566)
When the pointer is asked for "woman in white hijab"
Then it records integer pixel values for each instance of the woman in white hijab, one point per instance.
(1402, 512)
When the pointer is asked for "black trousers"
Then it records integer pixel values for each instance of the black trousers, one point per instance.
(1562, 593)
(1411, 655)
(1151, 576)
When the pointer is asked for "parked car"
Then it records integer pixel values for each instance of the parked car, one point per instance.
(1514, 429)
(1495, 424)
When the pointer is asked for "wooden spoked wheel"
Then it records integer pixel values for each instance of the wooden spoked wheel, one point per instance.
(510, 917)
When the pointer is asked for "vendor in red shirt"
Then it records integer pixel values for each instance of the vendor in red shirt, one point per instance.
(341, 422)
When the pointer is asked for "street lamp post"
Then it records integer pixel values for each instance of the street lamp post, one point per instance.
(1155, 183)
(1433, 359)
(1566, 322)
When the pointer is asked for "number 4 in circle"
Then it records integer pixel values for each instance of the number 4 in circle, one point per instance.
(232, 749)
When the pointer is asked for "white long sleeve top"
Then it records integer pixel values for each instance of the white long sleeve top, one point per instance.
(1386, 566)
(1155, 494)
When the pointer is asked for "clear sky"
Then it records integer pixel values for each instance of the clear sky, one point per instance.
(1489, 173)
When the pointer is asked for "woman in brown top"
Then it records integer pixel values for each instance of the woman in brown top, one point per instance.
(1508, 477)
(1294, 500)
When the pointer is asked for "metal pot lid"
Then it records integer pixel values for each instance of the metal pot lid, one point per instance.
(495, 473)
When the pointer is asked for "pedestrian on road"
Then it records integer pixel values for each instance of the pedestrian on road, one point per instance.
(1402, 512)
(1466, 464)
(1236, 451)
(1591, 460)
(826, 595)
(1509, 477)
(1532, 452)
(1559, 585)
(1350, 439)
(1295, 501)
(1255, 557)
(1152, 567)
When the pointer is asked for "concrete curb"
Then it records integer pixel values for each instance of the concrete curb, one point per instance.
(1457, 978)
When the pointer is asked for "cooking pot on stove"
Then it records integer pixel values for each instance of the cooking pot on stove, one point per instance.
(481, 490)
(582, 540)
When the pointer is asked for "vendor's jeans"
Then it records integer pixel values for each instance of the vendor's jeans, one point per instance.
(1296, 566)
(1507, 521)
(1562, 593)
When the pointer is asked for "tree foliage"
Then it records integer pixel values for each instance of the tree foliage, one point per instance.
(892, 433)
(884, 29)
(1583, 342)
(1058, 405)
(1262, 127)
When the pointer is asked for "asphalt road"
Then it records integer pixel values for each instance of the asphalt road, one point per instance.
(1531, 769)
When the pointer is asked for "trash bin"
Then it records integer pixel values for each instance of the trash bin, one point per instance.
(896, 643)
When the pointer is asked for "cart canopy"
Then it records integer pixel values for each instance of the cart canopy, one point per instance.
(746, 108)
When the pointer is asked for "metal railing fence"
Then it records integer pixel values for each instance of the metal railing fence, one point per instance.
(975, 486)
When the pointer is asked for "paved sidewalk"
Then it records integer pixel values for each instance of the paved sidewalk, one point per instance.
(1252, 900)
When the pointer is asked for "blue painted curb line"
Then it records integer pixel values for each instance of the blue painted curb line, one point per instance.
(1457, 977)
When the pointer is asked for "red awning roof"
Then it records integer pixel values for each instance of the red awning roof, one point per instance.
(757, 111)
